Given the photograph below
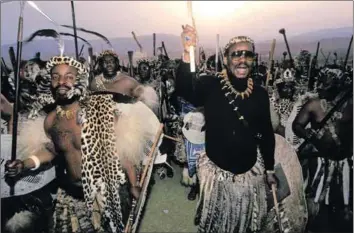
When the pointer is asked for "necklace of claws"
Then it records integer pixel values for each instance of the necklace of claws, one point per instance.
(225, 81)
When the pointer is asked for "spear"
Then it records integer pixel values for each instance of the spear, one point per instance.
(12, 182)
(347, 55)
(75, 32)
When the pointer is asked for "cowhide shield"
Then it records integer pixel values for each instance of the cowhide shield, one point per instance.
(293, 209)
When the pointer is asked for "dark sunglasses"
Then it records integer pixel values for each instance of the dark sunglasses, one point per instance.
(242, 53)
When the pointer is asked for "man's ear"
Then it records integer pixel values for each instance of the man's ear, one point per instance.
(225, 61)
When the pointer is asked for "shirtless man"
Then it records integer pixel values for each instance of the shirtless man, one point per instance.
(111, 79)
(63, 127)
(333, 146)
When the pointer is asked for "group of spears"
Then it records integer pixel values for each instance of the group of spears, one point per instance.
(294, 84)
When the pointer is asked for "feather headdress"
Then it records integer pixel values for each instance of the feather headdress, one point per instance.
(57, 35)
(91, 32)
(84, 40)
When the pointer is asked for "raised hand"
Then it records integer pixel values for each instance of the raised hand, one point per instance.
(189, 37)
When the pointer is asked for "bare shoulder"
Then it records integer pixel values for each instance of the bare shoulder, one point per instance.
(314, 104)
(126, 78)
(48, 122)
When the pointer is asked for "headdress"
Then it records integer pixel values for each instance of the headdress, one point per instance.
(107, 52)
(81, 82)
(238, 39)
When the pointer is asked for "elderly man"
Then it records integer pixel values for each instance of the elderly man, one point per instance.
(239, 142)
(86, 138)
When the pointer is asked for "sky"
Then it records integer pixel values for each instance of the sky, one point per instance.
(259, 19)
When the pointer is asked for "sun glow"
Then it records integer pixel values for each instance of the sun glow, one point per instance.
(215, 9)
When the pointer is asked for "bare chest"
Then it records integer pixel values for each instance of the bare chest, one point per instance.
(66, 134)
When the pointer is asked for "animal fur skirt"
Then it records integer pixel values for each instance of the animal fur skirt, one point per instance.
(72, 215)
(228, 202)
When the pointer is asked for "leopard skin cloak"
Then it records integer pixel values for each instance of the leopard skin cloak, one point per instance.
(111, 133)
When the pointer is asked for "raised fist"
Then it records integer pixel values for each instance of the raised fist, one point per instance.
(189, 37)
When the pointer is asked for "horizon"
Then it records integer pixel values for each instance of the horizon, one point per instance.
(211, 18)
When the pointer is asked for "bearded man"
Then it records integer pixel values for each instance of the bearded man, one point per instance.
(95, 160)
(240, 141)
(112, 80)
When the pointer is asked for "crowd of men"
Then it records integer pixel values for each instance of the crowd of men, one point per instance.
(228, 120)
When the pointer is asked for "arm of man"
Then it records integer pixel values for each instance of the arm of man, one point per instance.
(193, 89)
(42, 156)
(132, 177)
(303, 118)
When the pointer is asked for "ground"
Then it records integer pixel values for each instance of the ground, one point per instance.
(168, 209)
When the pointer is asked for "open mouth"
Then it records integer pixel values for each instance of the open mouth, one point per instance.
(62, 90)
(242, 70)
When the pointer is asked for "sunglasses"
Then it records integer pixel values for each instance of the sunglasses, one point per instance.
(242, 53)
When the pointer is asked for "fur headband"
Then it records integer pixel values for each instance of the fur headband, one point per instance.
(59, 60)
(238, 39)
(107, 52)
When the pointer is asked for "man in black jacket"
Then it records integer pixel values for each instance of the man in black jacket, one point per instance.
(240, 141)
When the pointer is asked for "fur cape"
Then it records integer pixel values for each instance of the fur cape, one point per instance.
(150, 98)
(132, 129)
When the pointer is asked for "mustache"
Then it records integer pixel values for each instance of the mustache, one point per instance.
(56, 89)
(243, 64)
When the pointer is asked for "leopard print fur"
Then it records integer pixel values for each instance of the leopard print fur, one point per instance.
(44, 95)
(102, 172)
(283, 107)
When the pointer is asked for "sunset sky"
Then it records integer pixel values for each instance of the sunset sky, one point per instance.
(258, 19)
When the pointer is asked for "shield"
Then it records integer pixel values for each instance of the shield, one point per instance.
(292, 204)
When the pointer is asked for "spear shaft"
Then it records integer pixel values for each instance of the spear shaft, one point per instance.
(75, 31)
(12, 182)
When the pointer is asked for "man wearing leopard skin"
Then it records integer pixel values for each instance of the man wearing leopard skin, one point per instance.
(87, 200)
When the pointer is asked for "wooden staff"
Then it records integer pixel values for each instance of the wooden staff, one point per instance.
(12, 58)
(271, 55)
(154, 43)
(4, 67)
(136, 40)
(148, 166)
(347, 55)
(282, 31)
(82, 48)
(191, 48)
(277, 208)
(165, 51)
(217, 53)
(131, 68)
